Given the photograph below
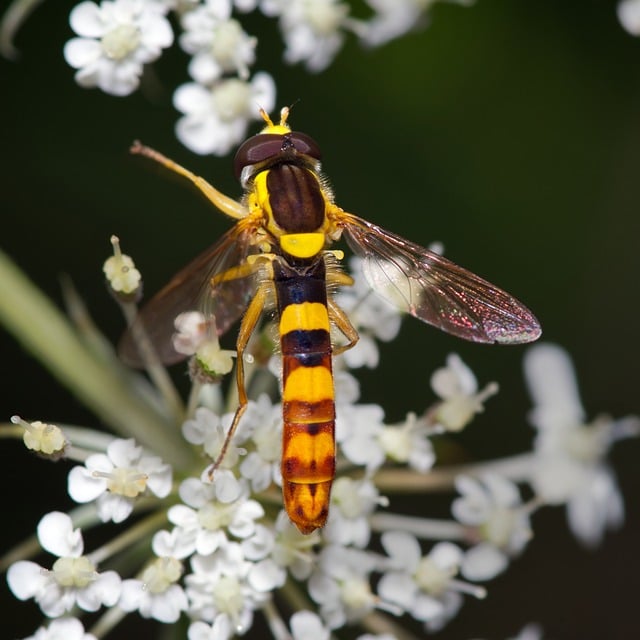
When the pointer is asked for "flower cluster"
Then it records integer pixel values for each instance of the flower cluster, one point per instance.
(116, 40)
(221, 550)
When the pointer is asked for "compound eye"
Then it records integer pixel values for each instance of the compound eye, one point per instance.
(305, 144)
(257, 149)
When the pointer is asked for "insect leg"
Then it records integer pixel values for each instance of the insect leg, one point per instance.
(227, 205)
(247, 327)
(340, 320)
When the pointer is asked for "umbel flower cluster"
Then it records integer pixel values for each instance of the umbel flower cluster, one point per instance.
(220, 553)
(217, 554)
(116, 41)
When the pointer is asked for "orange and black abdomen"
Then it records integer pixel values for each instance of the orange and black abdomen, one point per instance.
(308, 410)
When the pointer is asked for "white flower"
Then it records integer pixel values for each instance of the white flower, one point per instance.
(409, 443)
(424, 586)
(571, 455)
(358, 430)
(191, 331)
(500, 522)
(311, 29)
(116, 479)
(293, 550)
(262, 465)
(371, 315)
(210, 431)
(458, 388)
(306, 625)
(365, 440)
(210, 511)
(62, 628)
(219, 586)
(72, 581)
(217, 42)
(217, 119)
(117, 38)
(120, 270)
(352, 501)
(392, 19)
(156, 594)
(629, 16)
(341, 585)
(45, 439)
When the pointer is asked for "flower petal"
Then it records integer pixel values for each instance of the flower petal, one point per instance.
(57, 535)
(86, 20)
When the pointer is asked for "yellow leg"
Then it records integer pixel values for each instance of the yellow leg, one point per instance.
(247, 327)
(340, 320)
(227, 205)
(252, 264)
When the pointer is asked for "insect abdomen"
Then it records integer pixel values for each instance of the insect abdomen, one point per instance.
(308, 411)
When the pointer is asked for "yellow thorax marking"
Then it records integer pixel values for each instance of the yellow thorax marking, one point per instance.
(302, 245)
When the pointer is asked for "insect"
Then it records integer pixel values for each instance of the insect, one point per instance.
(277, 256)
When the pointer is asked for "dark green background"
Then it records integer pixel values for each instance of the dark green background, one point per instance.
(510, 131)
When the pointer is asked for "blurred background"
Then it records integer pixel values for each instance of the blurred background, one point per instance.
(509, 131)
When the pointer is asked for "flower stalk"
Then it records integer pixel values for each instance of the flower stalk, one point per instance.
(46, 333)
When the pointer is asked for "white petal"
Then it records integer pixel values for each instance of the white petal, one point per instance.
(595, 508)
(264, 93)
(198, 134)
(55, 601)
(167, 607)
(629, 16)
(26, 579)
(79, 52)
(192, 98)
(67, 629)
(86, 20)
(131, 594)
(504, 492)
(204, 69)
(444, 383)
(403, 549)
(266, 576)
(116, 83)
(446, 555)
(427, 608)
(157, 33)
(552, 383)
(113, 507)
(57, 535)
(124, 453)
(227, 486)
(467, 382)
(160, 481)
(82, 486)
(104, 590)
(195, 493)
(483, 562)
(399, 588)
(182, 516)
(306, 625)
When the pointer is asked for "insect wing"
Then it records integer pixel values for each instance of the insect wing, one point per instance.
(436, 290)
(190, 290)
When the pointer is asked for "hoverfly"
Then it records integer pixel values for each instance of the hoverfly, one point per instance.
(277, 257)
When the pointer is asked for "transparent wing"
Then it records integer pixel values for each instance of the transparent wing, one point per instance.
(190, 290)
(434, 289)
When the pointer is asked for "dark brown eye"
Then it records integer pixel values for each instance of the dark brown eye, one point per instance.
(269, 148)
(305, 144)
(257, 149)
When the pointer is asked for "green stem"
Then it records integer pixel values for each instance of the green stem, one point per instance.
(45, 332)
